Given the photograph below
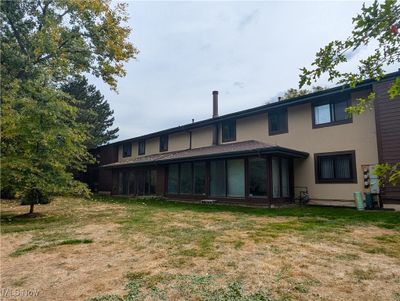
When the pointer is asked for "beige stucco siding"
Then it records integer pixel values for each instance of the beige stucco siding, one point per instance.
(134, 153)
(152, 146)
(360, 135)
(178, 141)
(202, 137)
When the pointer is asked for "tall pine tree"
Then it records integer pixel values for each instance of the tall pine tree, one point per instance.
(93, 111)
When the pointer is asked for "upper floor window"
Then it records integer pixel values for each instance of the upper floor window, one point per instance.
(127, 149)
(228, 130)
(339, 167)
(278, 122)
(163, 143)
(331, 113)
(142, 147)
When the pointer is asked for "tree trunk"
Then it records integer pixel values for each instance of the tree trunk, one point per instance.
(31, 208)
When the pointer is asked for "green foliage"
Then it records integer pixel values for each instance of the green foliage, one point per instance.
(7, 193)
(41, 140)
(93, 111)
(362, 104)
(371, 26)
(376, 25)
(394, 90)
(189, 287)
(388, 173)
(43, 44)
(292, 93)
(32, 247)
(64, 38)
(34, 196)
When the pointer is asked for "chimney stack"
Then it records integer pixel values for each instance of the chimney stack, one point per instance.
(215, 104)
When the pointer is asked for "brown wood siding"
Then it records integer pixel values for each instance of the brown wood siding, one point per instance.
(104, 180)
(101, 179)
(387, 113)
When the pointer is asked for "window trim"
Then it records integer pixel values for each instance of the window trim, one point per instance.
(230, 121)
(144, 147)
(353, 168)
(124, 155)
(332, 123)
(285, 129)
(166, 148)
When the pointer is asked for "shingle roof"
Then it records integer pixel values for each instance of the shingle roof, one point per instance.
(250, 147)
(315, 96)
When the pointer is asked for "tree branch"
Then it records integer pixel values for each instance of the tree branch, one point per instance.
(44, 12)
(17, 35)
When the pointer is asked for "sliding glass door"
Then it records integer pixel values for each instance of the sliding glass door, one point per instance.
(253, 177)
(258, 176)
(280, 178)
(217, 178)
(235, 178)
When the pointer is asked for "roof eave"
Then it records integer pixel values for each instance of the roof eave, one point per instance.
(262, 151)
(264, 108)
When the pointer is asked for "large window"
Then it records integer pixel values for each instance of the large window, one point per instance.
(228, 130)
(173, 178)
(335, 167)
(331, 113)
(127, 149)
(163, 143)
(185, 178)
(235, 176)
(227, 178)
(257, 177)
(217, 178)
(280, 178)
(199, 178)
(142, 147)
(278, 122)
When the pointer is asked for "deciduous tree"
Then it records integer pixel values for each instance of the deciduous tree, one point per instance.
(43, 44)
(292, 92)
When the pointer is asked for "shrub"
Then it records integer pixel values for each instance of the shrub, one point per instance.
(34, 196)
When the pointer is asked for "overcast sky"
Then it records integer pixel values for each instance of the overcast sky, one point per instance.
(249, 51)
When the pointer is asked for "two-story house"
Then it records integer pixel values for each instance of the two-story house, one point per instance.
(262, 155)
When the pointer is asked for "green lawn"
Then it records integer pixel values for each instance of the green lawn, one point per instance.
(163, 250)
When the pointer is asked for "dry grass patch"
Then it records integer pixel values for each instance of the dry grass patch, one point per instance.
(157, 250)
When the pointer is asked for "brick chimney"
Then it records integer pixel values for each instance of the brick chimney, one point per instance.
(215, 104)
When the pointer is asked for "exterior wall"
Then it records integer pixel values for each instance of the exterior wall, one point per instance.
(134, 153)
(388, 130)
(152, 146)
(178, 141)
(202, 137)
(97, 178)
(360, 135)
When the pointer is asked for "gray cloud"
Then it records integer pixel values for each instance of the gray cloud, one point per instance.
(248, 19)
(238, 84)
(189, 49)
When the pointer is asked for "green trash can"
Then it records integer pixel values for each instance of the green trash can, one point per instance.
(369, 201)
(359, 200)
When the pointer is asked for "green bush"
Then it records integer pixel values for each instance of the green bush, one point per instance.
(34, 196)
(7, 192)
